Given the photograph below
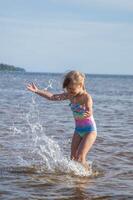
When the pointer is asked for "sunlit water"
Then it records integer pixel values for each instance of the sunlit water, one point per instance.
(35, 140)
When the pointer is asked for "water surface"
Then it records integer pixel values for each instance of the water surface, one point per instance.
(35, 140)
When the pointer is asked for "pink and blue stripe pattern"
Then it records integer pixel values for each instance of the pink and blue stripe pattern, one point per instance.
(82, 125)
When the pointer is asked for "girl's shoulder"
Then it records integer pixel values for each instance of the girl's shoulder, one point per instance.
(82, 99)
(87, 97)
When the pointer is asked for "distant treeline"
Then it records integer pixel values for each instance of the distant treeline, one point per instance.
(5, 67)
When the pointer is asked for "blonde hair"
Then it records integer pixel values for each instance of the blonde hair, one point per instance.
(74, 77)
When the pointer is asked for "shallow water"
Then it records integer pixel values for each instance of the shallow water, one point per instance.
(35, 139)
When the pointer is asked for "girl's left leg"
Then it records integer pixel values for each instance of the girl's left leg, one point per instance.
(85, 146)
(74, 145)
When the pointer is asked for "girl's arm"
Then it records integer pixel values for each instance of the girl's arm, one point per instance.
(46, 94)
(88, 105)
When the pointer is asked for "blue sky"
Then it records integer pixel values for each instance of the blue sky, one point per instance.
(93, 36)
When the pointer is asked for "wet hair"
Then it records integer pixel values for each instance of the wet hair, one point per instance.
(73, 77)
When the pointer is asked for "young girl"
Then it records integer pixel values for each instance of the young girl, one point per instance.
(81, 105)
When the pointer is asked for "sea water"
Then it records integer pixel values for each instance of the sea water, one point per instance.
(36, 140)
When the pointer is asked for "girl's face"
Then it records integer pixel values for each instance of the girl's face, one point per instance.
(74, 89)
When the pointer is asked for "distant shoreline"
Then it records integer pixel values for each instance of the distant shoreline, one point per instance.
(10, 68)
(87, 74)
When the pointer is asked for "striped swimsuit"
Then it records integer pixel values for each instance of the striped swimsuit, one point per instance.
(82, 125)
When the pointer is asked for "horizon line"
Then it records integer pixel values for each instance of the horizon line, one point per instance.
(113, 74)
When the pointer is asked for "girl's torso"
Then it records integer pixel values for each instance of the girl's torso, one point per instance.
(78, 110)
(77, 105)
(83, 124)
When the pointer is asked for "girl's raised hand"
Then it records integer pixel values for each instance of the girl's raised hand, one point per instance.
(32, 87)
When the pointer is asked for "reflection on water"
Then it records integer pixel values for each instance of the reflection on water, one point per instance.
(35, 140)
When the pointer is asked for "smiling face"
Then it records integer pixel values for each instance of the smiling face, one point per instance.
(74, 89)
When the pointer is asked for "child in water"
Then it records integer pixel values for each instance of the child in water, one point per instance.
(81, 105)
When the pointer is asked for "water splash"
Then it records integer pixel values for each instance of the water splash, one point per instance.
(43, 150)
(50, 84)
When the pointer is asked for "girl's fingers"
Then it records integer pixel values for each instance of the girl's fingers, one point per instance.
(87, 114)
(34, 85)
(29, 86)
